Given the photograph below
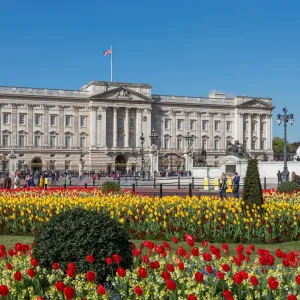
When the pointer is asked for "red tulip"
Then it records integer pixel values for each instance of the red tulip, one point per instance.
(285, 262)
(121, 272)
(175, 240)
(227, 294)
(298, 279)
(204, 244)
(69, 292)
(253, 280)
(4, 290)
(60, 286)
(116, 258)
(220, 275)
(90, 276)
(244, 274)
(71, 266)
(70, 273)
(90, 258)
(291, 297)
(199, 276)
(225, 247)
(170, 267)
(55, 266)
(108, 260)
(191, 297)
(165, 275)
(273, 283)
(138, 291)
(180, 251)
(142, 272)
(278, 253)
(209, 269)
(225, 267)
(101, 289)
(171, 285)
(180, 266)
(145, 259)
(34, 262)
(195, 251)
(238, 278)
(252, 247)
(9, 266)
(18, 276)
(30, 272)
(207, 256)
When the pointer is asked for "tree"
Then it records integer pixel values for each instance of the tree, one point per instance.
(252, 192)
(278, 145)
(292, 147)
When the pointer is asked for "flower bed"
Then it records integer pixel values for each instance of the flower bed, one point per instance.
(145, 217)
(273, 196)
(190, 273)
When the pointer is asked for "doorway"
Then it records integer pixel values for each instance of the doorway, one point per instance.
(36, 164)
(120, 164)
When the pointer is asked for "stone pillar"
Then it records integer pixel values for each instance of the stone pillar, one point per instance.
(93, 126)
(237, 128)
(153, 159)
(12, 164)
(76, 126)
(250, 131)
(240, 130)
(138, 126)
(115, 130)
(30, 125)
(188, 157)
(173, 129)
(61, 126)
(268, 132)
(14, 120)
(223, 131)
(103, 127)
(46, 126)
(258, 133)
(211, 131)
(198, 131)
(148, 128)
(126, 127)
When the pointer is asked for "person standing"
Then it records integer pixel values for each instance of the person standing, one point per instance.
(17, 181)
(7, 182)
(236, 185)
(223, 186)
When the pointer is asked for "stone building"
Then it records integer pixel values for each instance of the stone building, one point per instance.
(103, 121)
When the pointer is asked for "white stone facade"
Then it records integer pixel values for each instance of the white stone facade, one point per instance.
(103, 121)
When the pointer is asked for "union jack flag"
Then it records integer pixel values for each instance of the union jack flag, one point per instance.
(109, 51)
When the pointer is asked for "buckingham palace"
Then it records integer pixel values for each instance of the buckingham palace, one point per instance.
(107, 126)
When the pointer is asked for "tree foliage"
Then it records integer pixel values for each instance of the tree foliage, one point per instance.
(278, 145)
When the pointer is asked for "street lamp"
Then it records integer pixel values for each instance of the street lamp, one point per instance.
(153, 136)
(189, 138)
(285, 118)
(142, 140)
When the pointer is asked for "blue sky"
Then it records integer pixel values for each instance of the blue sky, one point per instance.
(239, 47)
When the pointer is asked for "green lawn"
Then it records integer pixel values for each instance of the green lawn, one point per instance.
(9, 241)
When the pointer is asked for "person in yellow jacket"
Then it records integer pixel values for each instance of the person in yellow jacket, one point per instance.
(41, 182)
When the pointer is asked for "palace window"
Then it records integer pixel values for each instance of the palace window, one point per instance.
(217, 125)
(254, 126)
(5, 140)
(22, 119)
(167, 123)
(21, 140)
(253, 144)
(82, 121)
(263, 143)
(153, 123)
(192, 124)
(82, 142)
(131, 123)
(108, 141)
(68, 120)
(167, 143)
(263, 127)
(38, 119)
(217, 144)
(204, 125)
(245, 126)
(228, 126)
(52, 140)
(179, 124)
(120, 122)
(107, 122)
(179, 143)
(52, 120)
(204, 144)
(68, 141)
(5, 118)
(131, 141)
(37, 140)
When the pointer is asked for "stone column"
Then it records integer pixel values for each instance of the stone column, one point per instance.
(268, 132)
(211, 131)
(258, 133)
(103, 127)
(30, 125)
(236, 127)
(61, 125)
(93, 126)
(223, 131)
(138, 126)
(12, 164)
(14, 120)
(76, 126)
(147, 137)
(126, 127)
(173, 129)
(198, 130)
(115, 131)
(240, 130)
(46, 126)
(250, 130)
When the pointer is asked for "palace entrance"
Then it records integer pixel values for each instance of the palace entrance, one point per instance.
(120, 164)
(36, 164)
(172, 162)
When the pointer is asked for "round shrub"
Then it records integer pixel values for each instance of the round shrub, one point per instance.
(110, 186)
(287, 187)
(74, 234)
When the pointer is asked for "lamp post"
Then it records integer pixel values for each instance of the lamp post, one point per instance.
(142, 140)
(285, 118)
(153, 136)
(189, 138)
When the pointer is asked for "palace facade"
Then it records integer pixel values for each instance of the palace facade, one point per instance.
(102, 124)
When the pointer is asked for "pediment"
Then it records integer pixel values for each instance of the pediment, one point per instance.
(167, 135)
(22, 132)
(54, 132)
(69, 133)
(217, 137)
(6, 131)
(205, 136)
(228, 137)
(255, 103)
(82, 133)
(38, 132)
(121, 93)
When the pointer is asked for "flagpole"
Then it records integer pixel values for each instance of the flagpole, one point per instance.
(111, 65)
